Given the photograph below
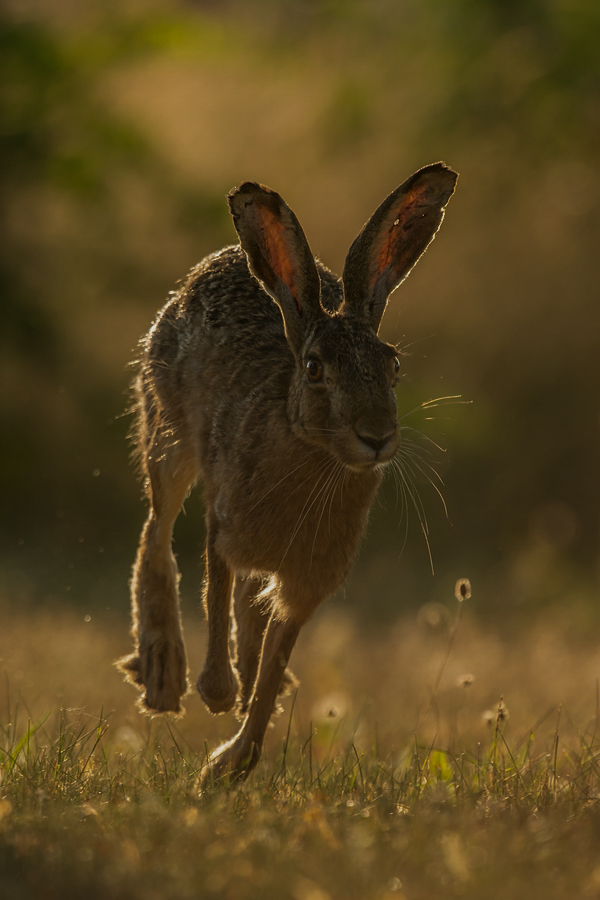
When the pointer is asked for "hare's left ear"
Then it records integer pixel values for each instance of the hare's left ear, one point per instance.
(393, 239)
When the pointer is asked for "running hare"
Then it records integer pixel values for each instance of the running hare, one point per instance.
(264, 377)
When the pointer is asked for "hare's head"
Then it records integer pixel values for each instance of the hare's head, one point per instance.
(342, 393)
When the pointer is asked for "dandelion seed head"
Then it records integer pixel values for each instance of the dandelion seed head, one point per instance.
(502, 712)
(433, 616)
(333, 706)
(499, 714)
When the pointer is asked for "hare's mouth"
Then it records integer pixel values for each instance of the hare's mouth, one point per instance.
(360, 452)
(362, 455)
(376, 461)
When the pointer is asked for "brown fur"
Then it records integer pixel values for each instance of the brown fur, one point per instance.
(288, 415)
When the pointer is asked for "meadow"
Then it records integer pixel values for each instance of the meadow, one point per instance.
(439, 757)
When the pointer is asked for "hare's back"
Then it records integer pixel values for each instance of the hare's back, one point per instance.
(222, 293)
(222, 290)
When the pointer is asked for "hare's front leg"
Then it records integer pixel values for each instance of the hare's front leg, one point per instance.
(217, 683)
(159, 663)
(239, 756)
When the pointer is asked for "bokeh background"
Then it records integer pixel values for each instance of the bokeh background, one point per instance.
(124, 124)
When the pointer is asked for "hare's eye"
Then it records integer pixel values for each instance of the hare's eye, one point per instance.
(314, 370)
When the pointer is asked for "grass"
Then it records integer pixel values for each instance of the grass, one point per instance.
(346, 803)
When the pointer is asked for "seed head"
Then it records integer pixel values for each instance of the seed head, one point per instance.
(503, 712)
(462, 589)
(497, 715)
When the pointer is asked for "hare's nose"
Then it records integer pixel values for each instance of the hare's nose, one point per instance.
(374, 432)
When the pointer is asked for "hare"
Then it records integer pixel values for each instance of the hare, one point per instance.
(264, 377)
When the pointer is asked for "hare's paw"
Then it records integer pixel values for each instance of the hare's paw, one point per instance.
(160, 667)
(130, 667)
(219, 688)
(164, 672)
(232, 762)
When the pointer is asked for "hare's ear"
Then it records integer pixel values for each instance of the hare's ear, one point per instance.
(393, 239)
(278, 255)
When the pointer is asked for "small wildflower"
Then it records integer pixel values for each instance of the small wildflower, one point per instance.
(333, 706)
(497, 715)
(502, 713)
(462, 589)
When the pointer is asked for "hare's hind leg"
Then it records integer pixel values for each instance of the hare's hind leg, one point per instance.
(159, 663)
(217, 684)
(252, 612)
(239, 756)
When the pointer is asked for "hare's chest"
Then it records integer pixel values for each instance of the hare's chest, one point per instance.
(305, 526)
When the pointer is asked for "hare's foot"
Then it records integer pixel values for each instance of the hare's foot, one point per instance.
(160, 667)
(218, 687)
(232, 761)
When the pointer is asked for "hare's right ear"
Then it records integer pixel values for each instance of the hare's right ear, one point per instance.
(279, 256)
(393, 239)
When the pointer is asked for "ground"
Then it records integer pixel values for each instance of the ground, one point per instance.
(429, 760)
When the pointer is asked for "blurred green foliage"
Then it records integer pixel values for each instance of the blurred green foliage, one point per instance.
(121, 129)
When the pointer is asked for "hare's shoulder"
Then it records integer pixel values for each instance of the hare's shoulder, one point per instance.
(221, 305)
(224, 293)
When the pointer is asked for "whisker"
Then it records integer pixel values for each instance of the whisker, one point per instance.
(414, 456)
(285, 477)
(414, 493)
(401, 347)
(310, 501)
(393, 464)
(327, 495)
(338, 477)
(415, 498)
(341, 481)
(425, 437)
(326, 432)
(453, 400)
(399, 482)
(414, 462)
(321, 501)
